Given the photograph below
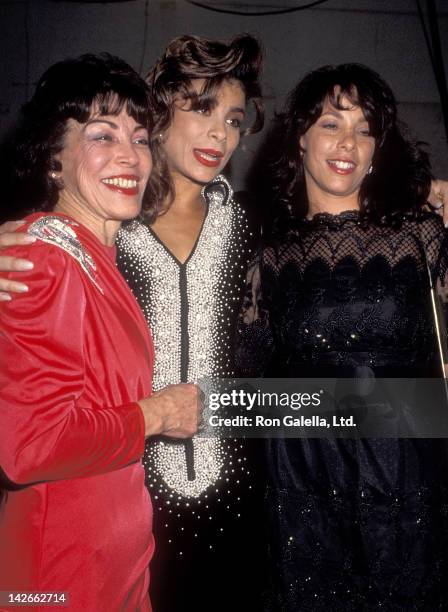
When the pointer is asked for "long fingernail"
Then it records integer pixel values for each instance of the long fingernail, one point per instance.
(28, 239)
(21, 288)
(5, 297)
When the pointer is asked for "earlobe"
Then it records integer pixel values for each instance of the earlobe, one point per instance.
(56, 178)
(55, 173)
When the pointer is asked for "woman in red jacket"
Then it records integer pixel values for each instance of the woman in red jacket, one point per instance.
(76, 355)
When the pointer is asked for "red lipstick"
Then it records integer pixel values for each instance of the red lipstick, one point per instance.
(208, 157)
(127, 184)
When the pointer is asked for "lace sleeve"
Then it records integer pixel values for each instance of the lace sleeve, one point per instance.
(254, 341)
(435, 243)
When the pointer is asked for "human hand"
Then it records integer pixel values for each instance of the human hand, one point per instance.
(9, 237)
(174, 411)
(438, 199)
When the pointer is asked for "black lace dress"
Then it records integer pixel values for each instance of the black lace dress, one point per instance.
(354, 524)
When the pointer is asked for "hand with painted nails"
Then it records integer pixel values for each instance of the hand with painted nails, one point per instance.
(438, 199)
(9, 237)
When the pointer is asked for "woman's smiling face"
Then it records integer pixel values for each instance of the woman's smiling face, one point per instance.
(105, 166)
(337, 153)
(199, 142)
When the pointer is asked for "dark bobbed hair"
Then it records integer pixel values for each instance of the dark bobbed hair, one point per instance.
(187, 58)
(400, 178)
(71, 89)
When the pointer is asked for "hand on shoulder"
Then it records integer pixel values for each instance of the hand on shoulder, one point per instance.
(12, 235)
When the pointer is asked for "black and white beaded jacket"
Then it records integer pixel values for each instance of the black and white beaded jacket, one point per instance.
(191, 309)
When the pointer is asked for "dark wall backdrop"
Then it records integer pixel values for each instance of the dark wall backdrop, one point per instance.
(384, 34)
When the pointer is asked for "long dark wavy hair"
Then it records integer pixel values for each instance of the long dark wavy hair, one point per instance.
(71, 89)
(187, 58)
(400, 179)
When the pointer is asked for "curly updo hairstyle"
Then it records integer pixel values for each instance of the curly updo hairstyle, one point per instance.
(187, 58)
(400, 178)
(71, 89)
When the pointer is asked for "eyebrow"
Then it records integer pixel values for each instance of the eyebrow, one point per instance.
(113, 125)
(207, 98)
(338, 114)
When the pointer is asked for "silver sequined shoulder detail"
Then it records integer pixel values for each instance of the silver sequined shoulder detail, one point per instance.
(59, 232)
(218, 189)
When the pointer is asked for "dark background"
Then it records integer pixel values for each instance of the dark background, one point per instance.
(387, 35)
